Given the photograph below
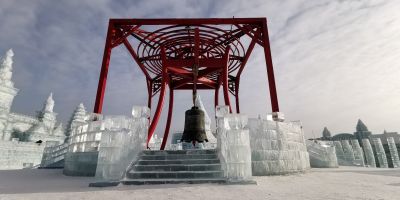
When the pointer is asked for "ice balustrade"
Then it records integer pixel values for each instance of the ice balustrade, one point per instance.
(233, 144)
(53, 154)
(277, 147)
(121, 142)
(322, 154)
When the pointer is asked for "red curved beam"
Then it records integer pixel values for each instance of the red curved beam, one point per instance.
(167, 127)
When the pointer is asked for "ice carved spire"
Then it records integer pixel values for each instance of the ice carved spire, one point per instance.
(78, 116)
(6, 68)
(79, 113)
(49, 105)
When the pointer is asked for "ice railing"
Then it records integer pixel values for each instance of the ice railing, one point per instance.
(121, 142)
(54, 154)
(233, 144)
(318, 149)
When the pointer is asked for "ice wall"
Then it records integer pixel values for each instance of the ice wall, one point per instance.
(277, 147)
(358, 153)
(18, 155)
(380, 153)
(121, 142)
(369, 154)
(234, 145)
(322, 154)
(394, 155)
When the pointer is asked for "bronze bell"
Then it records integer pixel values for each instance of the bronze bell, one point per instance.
(194, 126)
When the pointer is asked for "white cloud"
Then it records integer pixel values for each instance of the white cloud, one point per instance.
(335, 61)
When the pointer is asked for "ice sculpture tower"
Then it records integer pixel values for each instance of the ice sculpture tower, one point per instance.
(7, 90)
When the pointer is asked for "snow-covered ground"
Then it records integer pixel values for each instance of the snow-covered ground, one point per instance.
(341, 183)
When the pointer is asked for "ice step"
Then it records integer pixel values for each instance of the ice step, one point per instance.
(174, 174)
(179, 152)
(180, 161)
(178, 157)
(172, 181)
(177, 167)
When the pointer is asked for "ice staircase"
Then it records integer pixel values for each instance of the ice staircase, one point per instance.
(179, 166)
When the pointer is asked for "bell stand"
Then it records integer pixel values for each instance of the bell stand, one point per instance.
(120, 29)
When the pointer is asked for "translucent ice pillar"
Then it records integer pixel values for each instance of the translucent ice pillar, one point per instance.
(369, 154)
(340, 153)
(348, 151)
(380, 153)
(394, 155)
(358, 153)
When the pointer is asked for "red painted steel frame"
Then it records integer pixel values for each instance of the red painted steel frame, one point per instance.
(167, 57)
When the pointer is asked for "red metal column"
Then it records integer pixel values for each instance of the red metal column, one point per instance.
(216, 95)
(98, 106)
(270, 68)
(150, 92)
(225, 80)
(167, 127)
(160, 103)
(237, 96)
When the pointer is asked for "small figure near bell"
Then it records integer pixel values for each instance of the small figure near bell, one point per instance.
(194, 126)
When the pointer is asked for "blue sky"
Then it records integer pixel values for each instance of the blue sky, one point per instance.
(335, 60)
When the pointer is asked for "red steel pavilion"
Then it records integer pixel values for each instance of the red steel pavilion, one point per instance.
(188, 54)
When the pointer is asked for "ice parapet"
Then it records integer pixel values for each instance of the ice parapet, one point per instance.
(348, 152)
(380, 153)
(234, 147)
(121, 142)
(393, 152)
(368, 152)
(322, 154)
(277, 147)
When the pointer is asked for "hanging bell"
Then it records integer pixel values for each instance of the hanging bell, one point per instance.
(194, 126)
